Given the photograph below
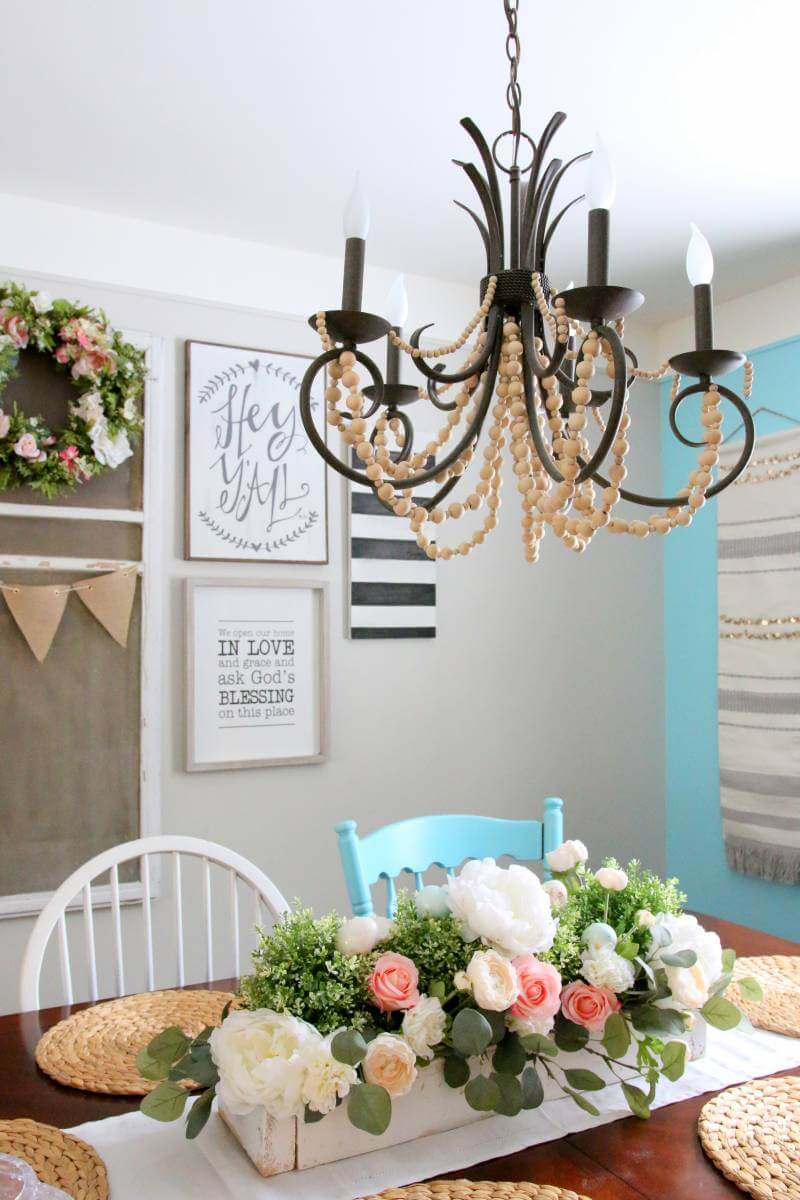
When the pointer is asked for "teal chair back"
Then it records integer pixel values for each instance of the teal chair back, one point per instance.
(446, 841)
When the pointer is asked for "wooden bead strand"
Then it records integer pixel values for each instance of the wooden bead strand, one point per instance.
(442, 351)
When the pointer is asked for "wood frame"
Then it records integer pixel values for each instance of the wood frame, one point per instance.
(187, 391)
(320, 589)
(30, 903)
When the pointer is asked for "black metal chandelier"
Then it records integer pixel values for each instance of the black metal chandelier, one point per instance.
(528, 374)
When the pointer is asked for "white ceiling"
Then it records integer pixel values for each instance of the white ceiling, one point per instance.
(250, 117)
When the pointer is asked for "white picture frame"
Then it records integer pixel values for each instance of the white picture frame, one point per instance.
(257, 673)
(255, 488)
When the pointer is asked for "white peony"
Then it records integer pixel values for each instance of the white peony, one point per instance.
(557, 894)
(431, 901)
(567, 856)
(259, 1056)
(89, 408)
(424, 1025)
(385, 927)
(111, 451)
(612, 879)
(493, 980)
(391, 1063)
(129, 410)
(41, 301)
(688, 985)
(359, 935)
(506, 907)
(606, 968)
(325, 1079)
(522, 1025)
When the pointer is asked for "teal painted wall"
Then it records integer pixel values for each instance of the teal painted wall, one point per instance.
(693, 822)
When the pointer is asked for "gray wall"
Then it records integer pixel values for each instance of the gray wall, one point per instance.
(543, 679)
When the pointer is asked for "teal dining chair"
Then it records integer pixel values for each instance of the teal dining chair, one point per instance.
(445, 840)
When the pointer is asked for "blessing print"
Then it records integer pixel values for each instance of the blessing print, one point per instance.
(255, 487)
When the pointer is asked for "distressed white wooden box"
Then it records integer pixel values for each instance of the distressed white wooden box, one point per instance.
(430, 1107)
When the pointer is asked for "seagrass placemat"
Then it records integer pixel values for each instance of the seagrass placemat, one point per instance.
(95, 1049)
(468, 1189)
(58, 1158)
(752, 1134)
(779, 1008)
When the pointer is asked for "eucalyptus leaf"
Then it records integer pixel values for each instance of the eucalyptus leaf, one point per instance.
(199, 1113)
(169, 1045)
(538, 1043)
(510, 1102)
(149, 1067)
(616, 1036)
(637, 1100)
(569, 1036)
(437, 990)
(456, 1071)
(728, 958)
(649, 1019)
(749, 988)
(471, 1032)
(482, 1094)
(311, 1116)
(202, 1038)
(369, 1107)
(165, 1103)
(720, 1013)
(349, 1047)
(532, 1089)
(673, 1060)
(583, 1080)
(627, 948)
(722, 984)
(510, 1057)
(681, 958)
(582, 1102)
(497, 1022)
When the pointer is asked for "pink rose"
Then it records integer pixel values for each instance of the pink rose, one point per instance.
(5, 424)
(62, 354)
(394, 982)
(539, 986)
(17, 330)
(26, 446)
(588, 1006)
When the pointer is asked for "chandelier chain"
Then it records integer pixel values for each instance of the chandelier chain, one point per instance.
(513, 91)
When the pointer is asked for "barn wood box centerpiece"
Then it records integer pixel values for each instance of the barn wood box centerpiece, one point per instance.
(490, 995)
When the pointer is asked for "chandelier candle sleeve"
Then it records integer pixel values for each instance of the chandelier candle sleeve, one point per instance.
(396, 315)
(600, 196)
(355, 223)
(700, 269)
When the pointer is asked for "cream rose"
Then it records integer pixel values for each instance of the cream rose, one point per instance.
(424, 1025)
(686, 933)
(325, 1079)
(688, 985)
(493, 980)
(390, 1062)
(259, 1056)
(567, 856)
(612, 879)
(506, 907)
(557, 894)
(643, 918)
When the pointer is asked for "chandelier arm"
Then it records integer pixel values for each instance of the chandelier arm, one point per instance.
(475, 368)
(491, 173)
(492, 221)
(529, 232)
(308, 420)
(556, 221)
(702, 386)
(482, 230)
(530, 385)
(602, 397)
(433, 394)
(721, 484)
(531, 354)
(441, 495)
(618, 396)
(540, 224)
(548, 134)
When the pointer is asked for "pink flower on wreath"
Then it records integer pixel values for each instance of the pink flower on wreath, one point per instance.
(69, 457)
(17, 330)
(588, 1006)
(62, 354)
(394, 983)
(539, 986)
(26, 447)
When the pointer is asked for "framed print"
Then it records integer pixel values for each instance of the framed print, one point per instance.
(255, 488)
(256, 658)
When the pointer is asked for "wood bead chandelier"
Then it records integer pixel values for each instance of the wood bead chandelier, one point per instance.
(528, 371)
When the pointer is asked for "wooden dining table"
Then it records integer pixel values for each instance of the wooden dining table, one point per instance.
(627, 1159)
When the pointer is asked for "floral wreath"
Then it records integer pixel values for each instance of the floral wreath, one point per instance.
(108, 374)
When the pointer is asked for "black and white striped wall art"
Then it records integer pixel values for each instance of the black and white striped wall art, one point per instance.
(392, 583)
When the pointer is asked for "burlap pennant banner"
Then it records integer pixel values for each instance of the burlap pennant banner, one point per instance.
(38, 609)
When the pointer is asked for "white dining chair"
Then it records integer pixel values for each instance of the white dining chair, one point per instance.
(237, 870)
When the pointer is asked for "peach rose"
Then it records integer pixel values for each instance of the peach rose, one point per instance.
(539, 987)
(17, 330)
(588, 1006)
(391, 1063)
(394, 982)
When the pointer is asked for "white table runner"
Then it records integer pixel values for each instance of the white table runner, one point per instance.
(145, 1158)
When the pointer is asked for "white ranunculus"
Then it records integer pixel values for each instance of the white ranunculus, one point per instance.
(259, 1057)
(557, 894)
(493, 980)
(41, 301)
(688, 985)
(359, 935)
(687, 933)
(523, 1025)
(431, 901)
(644, 918)
(385, 927)
(391, 1063)
(111, 451)
(90, 408)
(325, 1079)
(506, 907)
(424, 1025)
(606, 968)
(129, 410)
(567, 856)
(599, 936)
(612, 879)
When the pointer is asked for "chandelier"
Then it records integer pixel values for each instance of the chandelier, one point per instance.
(524, 393)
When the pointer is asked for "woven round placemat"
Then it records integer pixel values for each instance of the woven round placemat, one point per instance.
(779, 1008)
(752, 1134)
(95, 1049)
(58, 1158)
(468, 1189)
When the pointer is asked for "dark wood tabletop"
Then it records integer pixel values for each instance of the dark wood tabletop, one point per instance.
(628, 1159)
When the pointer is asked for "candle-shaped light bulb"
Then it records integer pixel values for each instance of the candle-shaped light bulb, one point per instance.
(699, 259)
(355, 219)
(397, 303)
(601, 187)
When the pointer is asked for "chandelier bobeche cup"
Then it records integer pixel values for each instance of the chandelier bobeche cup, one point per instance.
(527, 378)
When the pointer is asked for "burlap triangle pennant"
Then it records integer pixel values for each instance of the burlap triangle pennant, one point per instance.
(38, 612)
(109, 598)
